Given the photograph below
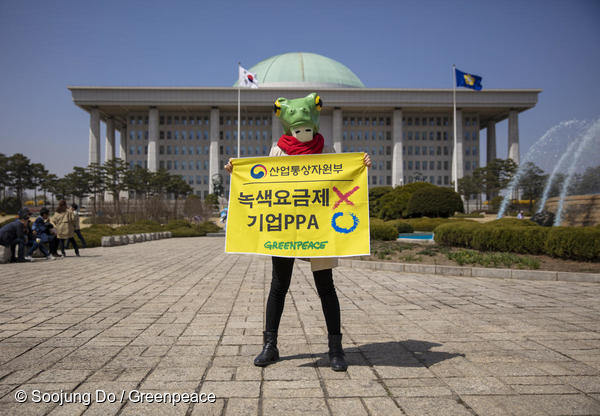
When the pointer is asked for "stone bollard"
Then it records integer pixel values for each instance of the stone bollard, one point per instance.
(117, 240)
(131, 238)
(124, 239)
(107, 241)
(139, 238)
(4, 254)
(169, 234)
(147, 236)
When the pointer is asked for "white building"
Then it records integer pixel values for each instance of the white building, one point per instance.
(192, 131)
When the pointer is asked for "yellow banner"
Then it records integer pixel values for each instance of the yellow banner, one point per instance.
(299, 206)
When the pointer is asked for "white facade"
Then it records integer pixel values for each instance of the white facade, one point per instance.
(192, 132)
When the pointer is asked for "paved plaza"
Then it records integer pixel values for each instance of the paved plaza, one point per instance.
(180, 316)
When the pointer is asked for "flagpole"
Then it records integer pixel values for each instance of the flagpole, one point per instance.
(238, 119)
(454, 153)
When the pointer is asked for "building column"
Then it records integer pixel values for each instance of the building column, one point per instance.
(276, 129)
(110, 140)
(397, 157)
(213, 154)
(153, 139)
(513, 136)
(337, 130)
(491, 142)
(94, 149)
(458, 153)
(123, 144)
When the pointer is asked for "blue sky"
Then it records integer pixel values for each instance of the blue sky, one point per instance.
(551, 45)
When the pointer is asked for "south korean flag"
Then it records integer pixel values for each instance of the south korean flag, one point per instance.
(247, 78)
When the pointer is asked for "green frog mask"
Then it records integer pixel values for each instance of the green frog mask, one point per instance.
(299, 117)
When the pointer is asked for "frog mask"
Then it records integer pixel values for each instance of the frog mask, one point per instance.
(299, 117)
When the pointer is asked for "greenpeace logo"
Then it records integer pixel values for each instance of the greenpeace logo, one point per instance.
(295, 245)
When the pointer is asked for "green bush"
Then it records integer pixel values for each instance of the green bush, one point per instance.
(394, 204)
(434, 201)
(386, 232)
(457, 233)
(511, 222)
(10, 205)
(574, 243)
(401, 226)
(375, 195)
(577, 243)
(425, 223)
(174, 224)
(524, 240)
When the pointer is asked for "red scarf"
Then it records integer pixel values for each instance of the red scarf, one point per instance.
(292, 146)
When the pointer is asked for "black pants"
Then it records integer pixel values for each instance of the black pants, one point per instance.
(282, 275)
(70, 240)
(83, 243)
(16, 243)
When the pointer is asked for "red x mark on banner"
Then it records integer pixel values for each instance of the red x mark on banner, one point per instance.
(344, 197)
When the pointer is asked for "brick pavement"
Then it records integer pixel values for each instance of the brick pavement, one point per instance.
(180, 316)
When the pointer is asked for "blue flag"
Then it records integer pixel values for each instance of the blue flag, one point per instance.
(468, 80)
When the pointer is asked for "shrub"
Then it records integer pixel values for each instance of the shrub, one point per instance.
(394, 204)
(426, 224)
(375, 195)
(511, 222)
(173, 224)
(578, 243)
(401, 226)
(434, 201)
(386, 232)
(458, 233)
(10, 205)
(510, 239)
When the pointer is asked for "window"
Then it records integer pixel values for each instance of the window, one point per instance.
(430, 135)
(131, 150)
(467, 165)
(409, 151)
(445, 180)
(183, 150)
(409, 122)
(445, 165)
(431, 165)
(417, 150)
(161, 150)
(438, 136)
(439, 165)
(161, 135)
(139, 150)
(175, 164)
(439, 150)
(410, 135)
(410, 165)
(417, 165)
(445, 135)
(445, 150)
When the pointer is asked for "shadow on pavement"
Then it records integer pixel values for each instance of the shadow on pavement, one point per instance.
(409, 353)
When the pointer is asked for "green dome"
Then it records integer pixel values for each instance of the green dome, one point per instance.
(304, 70)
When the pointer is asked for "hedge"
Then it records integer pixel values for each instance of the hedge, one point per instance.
(401, 226)
(382, 231)
(573, 243)
(434, 202)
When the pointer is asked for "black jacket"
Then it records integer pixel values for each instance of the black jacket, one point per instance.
(12, 232)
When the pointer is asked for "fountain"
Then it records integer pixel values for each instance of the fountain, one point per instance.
(591, 133)
(537, 148)
(559, 166)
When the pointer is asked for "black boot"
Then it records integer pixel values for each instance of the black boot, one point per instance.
(336, 353)
(270, 353)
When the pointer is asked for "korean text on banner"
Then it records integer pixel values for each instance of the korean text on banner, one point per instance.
(299, 206)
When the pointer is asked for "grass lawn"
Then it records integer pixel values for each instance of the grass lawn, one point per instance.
(454, 256)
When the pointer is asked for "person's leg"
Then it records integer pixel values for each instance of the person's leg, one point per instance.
(75, 247)
(13, 252)
(329, 300)
(280, 283)
(83, 243)
(331, 310)
(21, 245)
(61, 243)
(53, 243)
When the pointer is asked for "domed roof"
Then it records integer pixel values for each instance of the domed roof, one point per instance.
(304, 70)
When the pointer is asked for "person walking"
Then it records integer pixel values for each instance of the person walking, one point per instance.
(300, 120)
(74, 208)
(64, 222)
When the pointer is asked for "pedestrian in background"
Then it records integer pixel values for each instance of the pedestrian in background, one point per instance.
(75, 208)
(13, 235)
(64, 222)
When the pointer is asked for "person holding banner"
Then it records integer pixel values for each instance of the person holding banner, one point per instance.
(300, 121)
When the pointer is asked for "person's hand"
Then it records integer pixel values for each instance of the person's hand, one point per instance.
(367, 160)
(229, 166)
